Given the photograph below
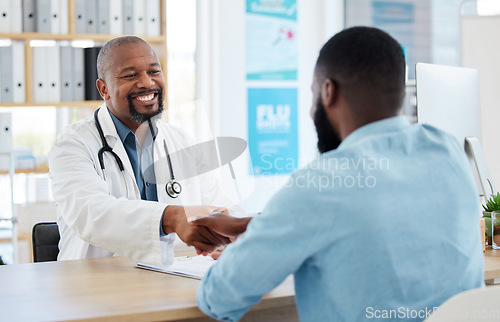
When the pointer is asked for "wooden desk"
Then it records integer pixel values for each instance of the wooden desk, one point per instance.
(491, 264)
(113, 288)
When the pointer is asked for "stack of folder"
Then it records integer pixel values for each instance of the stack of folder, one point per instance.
(115, 17)
(46, 16)
(12, 73)
(64, 73)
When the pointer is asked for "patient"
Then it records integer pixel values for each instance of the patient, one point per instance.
(382, 225)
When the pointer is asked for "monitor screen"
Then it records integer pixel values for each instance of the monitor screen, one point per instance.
(448, 98)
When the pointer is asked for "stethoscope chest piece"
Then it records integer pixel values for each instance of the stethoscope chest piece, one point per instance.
(173, 189)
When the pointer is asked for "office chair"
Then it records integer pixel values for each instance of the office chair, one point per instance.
(480, 304)
(45, 242)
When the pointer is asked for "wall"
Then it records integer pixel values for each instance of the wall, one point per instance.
(222, 86)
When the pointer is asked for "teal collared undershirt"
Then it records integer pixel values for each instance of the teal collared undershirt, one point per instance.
(147, 187)
(140, 163)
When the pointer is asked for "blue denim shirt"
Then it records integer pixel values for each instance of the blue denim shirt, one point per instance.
(385, 226)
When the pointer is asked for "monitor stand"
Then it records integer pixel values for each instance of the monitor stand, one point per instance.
(475, 152)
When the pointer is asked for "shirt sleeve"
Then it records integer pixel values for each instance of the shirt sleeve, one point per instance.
(275, 245)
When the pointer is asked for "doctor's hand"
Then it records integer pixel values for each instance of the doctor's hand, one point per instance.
(175, 219)
(222, 224)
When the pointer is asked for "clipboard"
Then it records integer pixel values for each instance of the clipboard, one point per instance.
(185, 266)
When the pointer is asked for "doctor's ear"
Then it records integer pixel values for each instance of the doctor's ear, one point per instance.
(102, 88)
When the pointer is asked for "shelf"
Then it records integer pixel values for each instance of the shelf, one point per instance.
(88, 104)
(40, 169)
(95, 37)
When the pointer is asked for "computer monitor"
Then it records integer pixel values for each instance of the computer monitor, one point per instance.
(448, 98)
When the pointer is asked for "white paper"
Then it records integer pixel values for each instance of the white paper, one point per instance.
(186, 266)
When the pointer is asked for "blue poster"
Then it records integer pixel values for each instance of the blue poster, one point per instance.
(272, 130)
(271, 40)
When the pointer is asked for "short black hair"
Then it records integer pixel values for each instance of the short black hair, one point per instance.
(368, 66)
(102, 58)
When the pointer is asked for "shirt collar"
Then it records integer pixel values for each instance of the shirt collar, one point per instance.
(122, 129)
(392, 124)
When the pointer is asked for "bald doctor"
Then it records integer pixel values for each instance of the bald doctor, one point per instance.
(118, 190)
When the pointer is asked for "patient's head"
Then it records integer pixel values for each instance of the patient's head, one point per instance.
(362, 69)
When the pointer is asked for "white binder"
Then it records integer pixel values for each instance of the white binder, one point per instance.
(153, 17)
(39, 74)
(78, 74)
(54, 74)
(103, 17)
(66, 53)
(43, 16)
(128, 17)
(5, 16)
(64, 20)
(80, 19)
(115, 17)
(139, 17)
(55, 16)
(18, 72)
(91, 16)
(29, 20)
(6, 73)
(16, 21)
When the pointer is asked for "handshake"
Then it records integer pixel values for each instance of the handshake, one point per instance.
(204, 227)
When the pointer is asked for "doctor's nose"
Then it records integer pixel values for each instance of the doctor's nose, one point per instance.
(145, 81)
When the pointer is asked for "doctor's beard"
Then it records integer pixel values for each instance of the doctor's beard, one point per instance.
(141, 118)
(328, 138)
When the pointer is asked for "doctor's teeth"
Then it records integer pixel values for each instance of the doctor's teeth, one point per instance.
(145, 98)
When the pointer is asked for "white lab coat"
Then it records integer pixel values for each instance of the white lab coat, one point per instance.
(99, 218)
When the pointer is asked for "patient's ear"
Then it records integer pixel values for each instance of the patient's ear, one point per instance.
(328, 93)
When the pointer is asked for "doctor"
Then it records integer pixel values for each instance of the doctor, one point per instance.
(112, 175)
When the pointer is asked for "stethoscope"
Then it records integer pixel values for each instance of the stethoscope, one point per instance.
(173, 188)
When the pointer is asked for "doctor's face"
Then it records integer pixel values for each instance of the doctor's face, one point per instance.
(134, 84)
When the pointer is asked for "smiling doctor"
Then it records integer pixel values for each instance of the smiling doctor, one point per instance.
(112, 176)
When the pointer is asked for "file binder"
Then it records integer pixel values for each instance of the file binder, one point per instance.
(80, 19)
(29, 20)
(91, 92)
(153, 17)
(39, 73)
(128, 17)
(55, 16)
(139, 17)
(16, 18)
(18, 72)
(66, 56)
(43, 16)
(115, 17)
(78, 74)
(5, 18)
(54, 74)
(91, 16)
(103, 17)
(64, 18)
(6, 73)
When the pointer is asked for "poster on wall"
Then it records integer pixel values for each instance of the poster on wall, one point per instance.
(272, 130)
(271, 40)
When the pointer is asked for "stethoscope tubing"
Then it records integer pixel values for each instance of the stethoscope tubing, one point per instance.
(172, 188)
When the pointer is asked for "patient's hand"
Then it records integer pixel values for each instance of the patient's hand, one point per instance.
(222, 225)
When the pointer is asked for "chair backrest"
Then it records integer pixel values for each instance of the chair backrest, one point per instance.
(45, 242)
(482, 304)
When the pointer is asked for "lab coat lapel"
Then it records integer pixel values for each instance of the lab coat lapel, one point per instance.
(109, 130)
